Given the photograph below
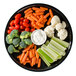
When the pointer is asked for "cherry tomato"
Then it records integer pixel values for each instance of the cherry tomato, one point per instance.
(26, 20)
(8, 31)
(27, 29)
(33, 29)
(25, 24)
(11, 27)
(17, 27)
(22, 27)
(21, 19)
(12, 23)
(21, 23)
(16, 21)
(18, 16)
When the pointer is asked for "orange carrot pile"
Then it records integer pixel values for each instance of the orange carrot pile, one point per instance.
(30, 55)
(37, 17)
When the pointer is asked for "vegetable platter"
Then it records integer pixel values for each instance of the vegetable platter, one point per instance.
(38, 37)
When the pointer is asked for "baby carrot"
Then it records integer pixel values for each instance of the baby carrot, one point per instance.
(33, 17)
(39, 63)
(33, 60)
(27, 15)
(22, 55)
(19, 56)
(44, 8)
(51, 13)
(37, 55)
(39, 24)
(39, 13)
(27, 48)
(41, 18)
(35, 8)
(40, 10)
(46, 15)
(27, 10)
(25, 57)
(38, 17)
(30, 18)
(48, 22)
(31, 54)
(35, 47)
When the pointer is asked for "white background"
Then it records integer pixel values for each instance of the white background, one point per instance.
(8, 67)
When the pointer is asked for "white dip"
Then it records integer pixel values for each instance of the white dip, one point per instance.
(38, 37)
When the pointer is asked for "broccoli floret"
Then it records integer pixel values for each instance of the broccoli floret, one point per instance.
(11, 49)
(28, 41)
(22, 45)
(8, 39)
(16, 42)
(24, 34)
(14, 33)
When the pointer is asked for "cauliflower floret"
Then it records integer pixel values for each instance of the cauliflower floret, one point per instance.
(59, 26)
(55, 20)
(62, 34)
(49, 30)
(64, 24)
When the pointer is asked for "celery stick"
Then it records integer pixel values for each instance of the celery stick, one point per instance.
(61, 53)
(63, 43)
(44, 59)
(50, 53)
(59, 56)
(47, 42)
(45, 55)
(57, 45)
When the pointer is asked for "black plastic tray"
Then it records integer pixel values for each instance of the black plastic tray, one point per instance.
(68, 39)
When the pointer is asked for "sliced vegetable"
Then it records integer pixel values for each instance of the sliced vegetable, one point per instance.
(63, 43)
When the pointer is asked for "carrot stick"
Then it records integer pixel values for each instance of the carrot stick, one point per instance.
(33, 17)
(27, 10)
(38, 17)
(33, 60)
(37, 55)
(22, 55)
(30, 18)
(48, 22)
(25, 57)
(41, 18)
(31, 54)
(35, 47)
(44, 8)
(46, 15)
(51, 13)
(19, 56)
(39, 13)
(40, 10)
(35, 8)
(27, 15)
(40, 25)
(39, 63)
(27, 48)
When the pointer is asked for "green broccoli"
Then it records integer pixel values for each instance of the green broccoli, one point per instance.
(11, 49)
(24, 34)
(14, 33)
(16, 42)
(22, 45)
(28, 41)
(8, 39)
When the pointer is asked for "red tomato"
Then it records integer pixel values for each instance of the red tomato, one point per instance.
(27, 29)
(12, 23)
(18, 16)
(33, 29)
(21, 23)
(22, 27)
(25, 24)
(11, 27)
(17, 27)
(21, 19)
(16, 21)
(26, 20)
(8, 31)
